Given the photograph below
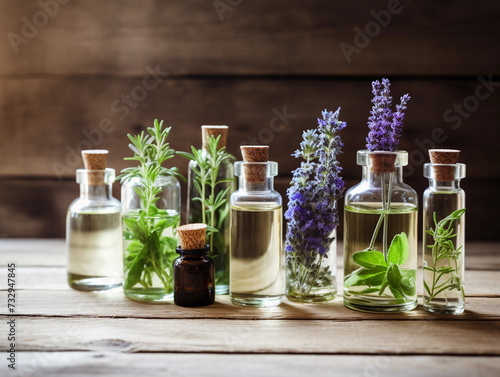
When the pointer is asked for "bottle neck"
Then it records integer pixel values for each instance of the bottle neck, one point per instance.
(267, 185)
(95, 191)
(375, 178)
(444, 185)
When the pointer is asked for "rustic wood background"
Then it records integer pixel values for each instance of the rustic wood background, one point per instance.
(61, 90)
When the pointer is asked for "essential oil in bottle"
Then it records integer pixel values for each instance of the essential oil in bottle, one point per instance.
(194, 271)
(256, 277)
(93, 228)
(444, 234)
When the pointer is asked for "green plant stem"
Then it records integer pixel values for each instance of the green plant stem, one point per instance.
(315, 275)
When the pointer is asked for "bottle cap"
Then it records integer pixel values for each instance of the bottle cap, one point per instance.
(192, 236)
(215, 131)
(95, 160)
(443, 157)
(255, 158)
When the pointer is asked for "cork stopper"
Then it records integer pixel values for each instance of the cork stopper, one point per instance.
(444, 156)
(255, 173)
(215, 131)
(255, 153)
(95, 160)
(383, 162)
(192, 236)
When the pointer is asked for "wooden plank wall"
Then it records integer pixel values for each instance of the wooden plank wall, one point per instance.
(90, 71)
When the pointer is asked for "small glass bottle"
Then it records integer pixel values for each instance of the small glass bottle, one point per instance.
(93, 228)
(219, 241)
(194, 271)
(150, 278)
(256, 277)
(380, 236)
(443, 234)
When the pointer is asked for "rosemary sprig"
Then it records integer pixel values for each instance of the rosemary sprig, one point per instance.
(150, 253)
(444, 277)
(206, 180)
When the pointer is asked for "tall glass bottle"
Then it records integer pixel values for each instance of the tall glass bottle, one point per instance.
(218, 241)
(149, 242)
(256, 233)
(380, 236)
(443, 234)
(93, 228)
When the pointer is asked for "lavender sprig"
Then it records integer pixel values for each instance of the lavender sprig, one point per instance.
(384, 124)
(312, 208)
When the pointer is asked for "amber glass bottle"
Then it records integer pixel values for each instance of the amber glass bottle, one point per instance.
(194, 271)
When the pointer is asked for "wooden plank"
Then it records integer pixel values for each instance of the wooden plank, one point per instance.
(478, 283)
(113, 364)
(52, 253)
(72, 112)
(114, 304)
(257, 37)
(248, 336)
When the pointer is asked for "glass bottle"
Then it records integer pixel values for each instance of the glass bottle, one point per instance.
(443, 237)
(303, 285)
(93, 231)
(380, 236)
(148, 254)
(194, 278)
(256, 236)
(219, 241)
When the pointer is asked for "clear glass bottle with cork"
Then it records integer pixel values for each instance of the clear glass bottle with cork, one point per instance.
(194, 271)
(219, 184)
(93, 228)
(380, 236)
(256, 232)
(444, 233)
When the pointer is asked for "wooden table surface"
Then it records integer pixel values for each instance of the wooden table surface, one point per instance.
(63, 332)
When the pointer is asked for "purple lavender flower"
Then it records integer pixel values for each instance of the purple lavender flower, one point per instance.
(315, 188)
(384, 124)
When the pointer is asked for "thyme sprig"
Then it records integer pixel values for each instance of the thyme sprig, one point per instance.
(445, 277)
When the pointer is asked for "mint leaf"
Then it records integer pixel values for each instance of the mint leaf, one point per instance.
(369, 259)
(362, 276)
(394, 278)
(408, 282)
(399, 249)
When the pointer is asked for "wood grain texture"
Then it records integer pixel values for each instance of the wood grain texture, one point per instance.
(114, 304)
(121, 37)
(114, 364)
(264, 336)
(65, 115)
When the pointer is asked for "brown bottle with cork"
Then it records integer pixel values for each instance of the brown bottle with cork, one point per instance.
(444, 233)
(256, 232)
(194, 271)
(93, 228)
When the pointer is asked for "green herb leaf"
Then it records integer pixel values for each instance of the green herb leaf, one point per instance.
(363, 276)
(399, 249)
(369, 259)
